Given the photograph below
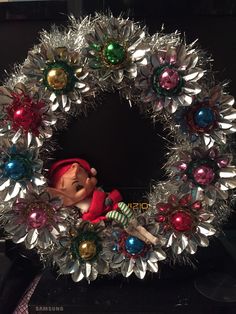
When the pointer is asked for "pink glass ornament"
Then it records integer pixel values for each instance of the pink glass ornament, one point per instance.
(184, 177)
(169, 79)
(203, 175)
(182, 166)
(223, 162)
(37, 218)
(19, 205)
(213, 152)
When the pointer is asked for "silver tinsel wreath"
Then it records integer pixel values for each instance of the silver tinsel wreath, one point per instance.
(168, 80)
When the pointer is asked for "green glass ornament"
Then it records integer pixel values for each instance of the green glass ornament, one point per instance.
(114, 53)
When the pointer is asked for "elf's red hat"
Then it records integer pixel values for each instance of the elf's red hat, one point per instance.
(60, 167)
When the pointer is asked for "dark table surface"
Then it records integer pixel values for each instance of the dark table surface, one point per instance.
(209, 288)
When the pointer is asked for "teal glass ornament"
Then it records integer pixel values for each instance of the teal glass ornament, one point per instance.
(133, 245)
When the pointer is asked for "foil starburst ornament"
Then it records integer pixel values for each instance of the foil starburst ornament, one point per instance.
(59, 70)
(184, 223)
(129, 254)
(25, 114)
(204, 173)
(208, 119)
(35, 220)
(20, 170)
(80, 252)
(170, 79)
(116, 48)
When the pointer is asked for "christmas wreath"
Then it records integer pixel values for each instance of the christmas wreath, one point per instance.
(59, 212)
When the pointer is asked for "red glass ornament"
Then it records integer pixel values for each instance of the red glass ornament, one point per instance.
(169, 79)
(203, 174)
(160, 218)
(185, 200)
(181, 221)
(37, 218)
(196, 205)
(163, 207)
(25, 113)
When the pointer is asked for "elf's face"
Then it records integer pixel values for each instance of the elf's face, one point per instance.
(76, 183)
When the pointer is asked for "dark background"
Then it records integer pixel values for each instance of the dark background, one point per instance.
(124, 146)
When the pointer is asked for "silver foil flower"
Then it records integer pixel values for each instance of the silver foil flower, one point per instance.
(185, 224)
(210, 118)
(129, 254)
(35, 220)
(206, 174)
(170, 78)
(116, 48)
(20, 170)
(60, 70)
(25, 114)
(79, 252)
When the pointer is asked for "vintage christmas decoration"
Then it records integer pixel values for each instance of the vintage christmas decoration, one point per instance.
(62, 213)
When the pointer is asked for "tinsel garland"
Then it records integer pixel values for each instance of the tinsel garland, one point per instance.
(169, 80)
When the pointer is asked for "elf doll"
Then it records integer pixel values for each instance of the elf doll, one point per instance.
(75, 182)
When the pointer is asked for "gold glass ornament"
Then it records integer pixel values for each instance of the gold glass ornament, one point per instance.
(57, 78)
(87, 250)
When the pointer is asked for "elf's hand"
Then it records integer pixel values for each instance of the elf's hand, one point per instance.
(108, 201)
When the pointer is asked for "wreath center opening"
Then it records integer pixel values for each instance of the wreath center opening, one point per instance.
(120, 142)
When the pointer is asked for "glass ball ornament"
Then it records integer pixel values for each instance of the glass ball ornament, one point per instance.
(168, 79)
(37, 218)
(57, 78)
(181, 221)
(87, 250)
(114, 53)
(19, 206)
(204, 117)
(27, 118)
(160, 218)
(16, 168)
(203, 175)
(134, 245)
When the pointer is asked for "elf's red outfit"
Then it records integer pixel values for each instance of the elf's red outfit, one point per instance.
(101, 204)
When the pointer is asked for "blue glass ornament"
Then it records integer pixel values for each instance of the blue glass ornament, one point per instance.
(133, 245)
(15, 169)
(204, 117)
